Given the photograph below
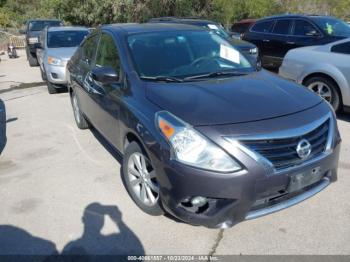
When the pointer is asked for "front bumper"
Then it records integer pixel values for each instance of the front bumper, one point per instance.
(32, 48)
(233, 197)
(56, 74)
(247, 194)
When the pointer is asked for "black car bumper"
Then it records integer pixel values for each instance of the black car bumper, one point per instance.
(233, 198)
(32, 48)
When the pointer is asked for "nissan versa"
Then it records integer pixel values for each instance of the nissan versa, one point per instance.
(204, 135)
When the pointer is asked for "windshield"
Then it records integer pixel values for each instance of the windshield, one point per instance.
(332, 26)
(40, 25)
(183, 54)
(219, 30)
(65, 38)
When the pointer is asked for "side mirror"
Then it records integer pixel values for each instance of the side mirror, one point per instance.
(105, 75)
(313, 33)
(22, 31)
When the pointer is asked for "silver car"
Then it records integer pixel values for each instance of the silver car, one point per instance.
(57, 45)
(323, 69)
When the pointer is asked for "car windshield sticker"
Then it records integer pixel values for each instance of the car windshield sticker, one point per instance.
(213, 27)
(229, 53)
(329, 29)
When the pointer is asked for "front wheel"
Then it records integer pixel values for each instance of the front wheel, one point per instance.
(51, 88)
(140, 180)
(78, 114)
(326, 89)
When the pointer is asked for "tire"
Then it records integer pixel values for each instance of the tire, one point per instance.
(51, 88)
(147, 185)
(327, 89)
(80, 120)
(33, 61)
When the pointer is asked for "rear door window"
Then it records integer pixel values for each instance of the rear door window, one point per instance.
(263, 26)
(343, 48)
(282, 27)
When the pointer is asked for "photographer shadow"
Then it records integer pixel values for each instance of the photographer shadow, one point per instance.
(92, 242)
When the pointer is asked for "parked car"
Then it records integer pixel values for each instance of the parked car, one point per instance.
(323, 69)
(240, 27)
(56, 46)
(249, 49)
(3, 138)
(33, 30)
(205, 136)
(276, 35)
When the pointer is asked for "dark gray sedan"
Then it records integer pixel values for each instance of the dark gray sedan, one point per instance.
(204, 135)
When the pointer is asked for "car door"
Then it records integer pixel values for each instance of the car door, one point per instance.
(280, 40)
(340, 57)
(305, 34)
(105, 98)
(41, 50)
(82, 71)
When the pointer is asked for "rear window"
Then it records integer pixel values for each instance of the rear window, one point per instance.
(262, 27)
(282, 27)
(65, 38)
(343, 48)
(40, 25)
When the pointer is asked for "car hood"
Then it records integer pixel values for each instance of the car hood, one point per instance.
(241, 43)
(257, 96)
(64, 53)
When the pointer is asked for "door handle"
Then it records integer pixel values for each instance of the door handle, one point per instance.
(290, 43)
(266, 40)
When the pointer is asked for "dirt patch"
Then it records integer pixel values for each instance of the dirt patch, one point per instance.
(25, 206)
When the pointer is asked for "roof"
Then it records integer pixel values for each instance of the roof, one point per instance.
(246, 21)
(66, 28)
(189, 20)
(149, 27)
(291, 16)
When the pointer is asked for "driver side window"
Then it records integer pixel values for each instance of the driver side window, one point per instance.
(107, 54)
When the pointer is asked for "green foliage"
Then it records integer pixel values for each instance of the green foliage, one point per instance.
(94, 12)
(4, 18)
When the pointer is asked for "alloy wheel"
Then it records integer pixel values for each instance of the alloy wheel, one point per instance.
(76, 108)
(143, 179)
(323, 90)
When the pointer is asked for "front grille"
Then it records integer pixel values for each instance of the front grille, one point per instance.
(282, 152)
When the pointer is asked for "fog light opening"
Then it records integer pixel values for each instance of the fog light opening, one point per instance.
(196, 204)
(199, 201)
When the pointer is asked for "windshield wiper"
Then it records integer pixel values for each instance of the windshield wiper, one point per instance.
(163, 78)
(215, 74)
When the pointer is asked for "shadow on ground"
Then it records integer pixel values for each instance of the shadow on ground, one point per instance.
(18, 86)
(16, 241)
(344, 116)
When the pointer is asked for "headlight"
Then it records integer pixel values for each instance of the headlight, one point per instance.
(253, 51)
(33, 40)
(192, 148)
(54, 61)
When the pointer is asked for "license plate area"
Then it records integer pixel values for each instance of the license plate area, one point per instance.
(304, 179)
